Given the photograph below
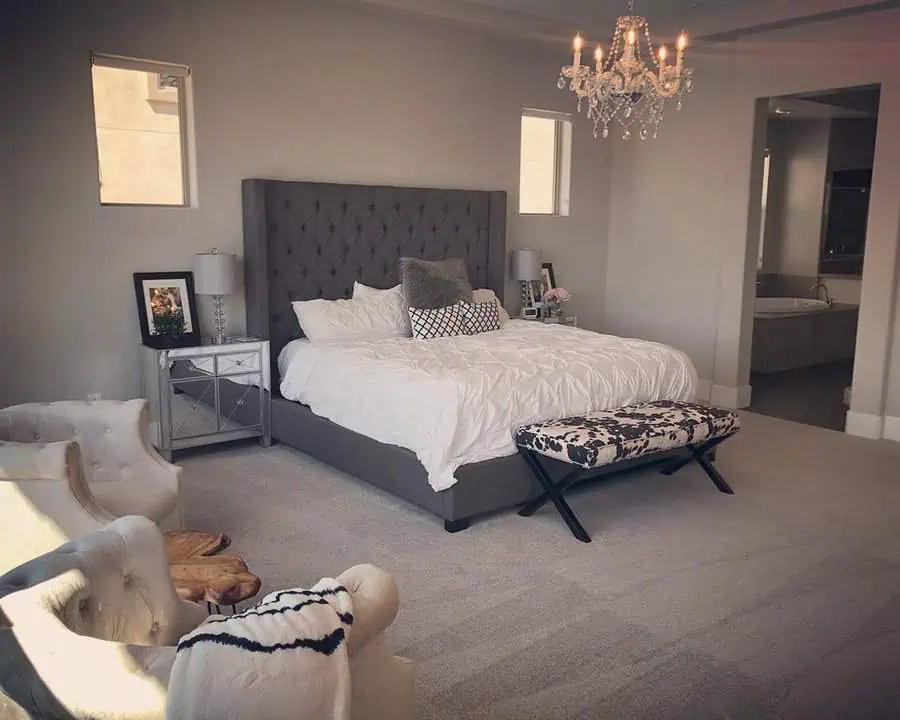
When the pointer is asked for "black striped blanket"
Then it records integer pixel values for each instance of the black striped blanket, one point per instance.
(286, 657)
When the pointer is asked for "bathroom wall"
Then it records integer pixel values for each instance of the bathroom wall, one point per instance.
(803, 153)
(799, 151)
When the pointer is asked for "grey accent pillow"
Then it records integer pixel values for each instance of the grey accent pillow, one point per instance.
(429, 284)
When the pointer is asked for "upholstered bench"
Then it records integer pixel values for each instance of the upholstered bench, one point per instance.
(604, 438)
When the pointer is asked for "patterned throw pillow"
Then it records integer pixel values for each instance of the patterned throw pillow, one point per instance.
(429, 323)
(482, 317)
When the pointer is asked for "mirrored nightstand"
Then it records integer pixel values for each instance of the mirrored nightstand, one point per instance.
(207, 394)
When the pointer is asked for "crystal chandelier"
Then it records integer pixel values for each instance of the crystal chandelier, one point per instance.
(622, 87)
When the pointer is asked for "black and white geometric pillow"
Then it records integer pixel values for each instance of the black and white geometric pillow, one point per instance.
(428, 323)
(482, 317)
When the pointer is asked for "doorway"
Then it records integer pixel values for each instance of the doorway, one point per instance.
(814, 201)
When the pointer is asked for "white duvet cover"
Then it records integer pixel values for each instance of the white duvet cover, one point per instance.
(458, 400)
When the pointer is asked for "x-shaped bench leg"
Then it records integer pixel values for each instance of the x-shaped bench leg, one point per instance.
(553, 492)
(699, 453)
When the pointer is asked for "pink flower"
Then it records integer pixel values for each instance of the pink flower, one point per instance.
(560, 295)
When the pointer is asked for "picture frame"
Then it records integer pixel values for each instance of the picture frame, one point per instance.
(167, 309)
(548, 278)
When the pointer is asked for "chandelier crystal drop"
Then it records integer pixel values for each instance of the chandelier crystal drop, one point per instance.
(623, 88)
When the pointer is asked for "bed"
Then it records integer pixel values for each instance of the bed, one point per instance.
(307, 240)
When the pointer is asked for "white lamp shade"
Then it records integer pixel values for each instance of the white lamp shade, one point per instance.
(525, 265)
(214, 273)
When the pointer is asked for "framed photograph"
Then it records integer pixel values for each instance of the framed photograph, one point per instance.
(167, 309)
(548, 279)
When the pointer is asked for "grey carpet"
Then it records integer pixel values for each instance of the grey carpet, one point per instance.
(782, 601)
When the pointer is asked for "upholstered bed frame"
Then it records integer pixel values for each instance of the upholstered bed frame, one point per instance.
(305, 240)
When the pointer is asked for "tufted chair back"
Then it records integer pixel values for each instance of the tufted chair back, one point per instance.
(88, 620)
(101, 447)
(124, 472)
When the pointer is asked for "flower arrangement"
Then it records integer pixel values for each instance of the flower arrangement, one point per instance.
(555, 298)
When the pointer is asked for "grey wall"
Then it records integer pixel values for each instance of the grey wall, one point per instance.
(682, 251)
(794, 225)
(326, 90)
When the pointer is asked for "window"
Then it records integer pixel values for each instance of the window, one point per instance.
(767, 167)
(140, 116)
(546, 160)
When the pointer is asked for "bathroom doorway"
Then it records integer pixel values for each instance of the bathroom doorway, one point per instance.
(814, 195)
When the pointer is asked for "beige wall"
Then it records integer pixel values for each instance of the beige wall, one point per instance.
(328, 90)
(683, 269)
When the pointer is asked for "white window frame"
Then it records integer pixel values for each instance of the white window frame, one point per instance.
(562, 160)
(184, 100)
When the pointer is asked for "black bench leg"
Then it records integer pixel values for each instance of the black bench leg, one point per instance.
(715, 475)
(455, 526)
(532, 507)
(703, 454)
(552, 492)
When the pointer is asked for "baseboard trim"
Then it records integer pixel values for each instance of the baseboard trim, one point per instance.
(730, 397)
(891, 429)
(873, 427)
(704, 390)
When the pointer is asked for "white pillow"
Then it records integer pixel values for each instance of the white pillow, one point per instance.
(361, 291)
(378, 316)
(485, 295)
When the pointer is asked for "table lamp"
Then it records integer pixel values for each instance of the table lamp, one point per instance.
(214, 274)
(525, 266)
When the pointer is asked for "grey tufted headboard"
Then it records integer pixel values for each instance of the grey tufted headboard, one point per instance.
(305, 240)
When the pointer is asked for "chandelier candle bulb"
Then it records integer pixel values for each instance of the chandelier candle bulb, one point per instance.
(632, 36)
(598, 56)
(662, 56)
(577, 44)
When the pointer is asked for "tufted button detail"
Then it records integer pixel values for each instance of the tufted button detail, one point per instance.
(154, 628)
(84, 606)
(107, 429)
(95, 465)
(126, 579)
(37, 437)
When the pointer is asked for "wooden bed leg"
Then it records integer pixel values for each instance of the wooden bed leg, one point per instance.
(455, 526)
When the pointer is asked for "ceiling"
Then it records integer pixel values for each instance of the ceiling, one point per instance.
(705, 20)
(853, 102)
(665, 15)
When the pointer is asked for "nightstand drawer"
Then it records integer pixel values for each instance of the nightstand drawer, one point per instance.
(241, 363)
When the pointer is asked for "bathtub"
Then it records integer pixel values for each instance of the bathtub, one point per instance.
(781, 306)
(791, 333)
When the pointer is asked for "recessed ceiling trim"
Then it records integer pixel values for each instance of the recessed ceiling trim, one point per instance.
(761, 28)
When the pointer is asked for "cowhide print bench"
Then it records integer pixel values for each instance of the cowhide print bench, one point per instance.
(604, 438)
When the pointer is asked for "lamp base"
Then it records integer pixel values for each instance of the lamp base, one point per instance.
(219, 338)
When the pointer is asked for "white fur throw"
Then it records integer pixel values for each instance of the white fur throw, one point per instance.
(284, 658)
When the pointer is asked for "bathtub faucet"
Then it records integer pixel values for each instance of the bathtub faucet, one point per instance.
(828, 300)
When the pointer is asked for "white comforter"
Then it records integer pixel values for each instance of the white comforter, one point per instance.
(458, 400)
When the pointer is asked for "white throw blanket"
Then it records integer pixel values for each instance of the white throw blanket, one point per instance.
(459, 400)
(284, 658)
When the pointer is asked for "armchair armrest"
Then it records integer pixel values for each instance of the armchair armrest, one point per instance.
(126, 474)
(44, 500)
(376, 601)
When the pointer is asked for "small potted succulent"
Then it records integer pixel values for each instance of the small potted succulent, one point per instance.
(554, 299)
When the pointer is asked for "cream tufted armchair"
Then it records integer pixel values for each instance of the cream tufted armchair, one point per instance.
(124, 472)
(94, 624)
